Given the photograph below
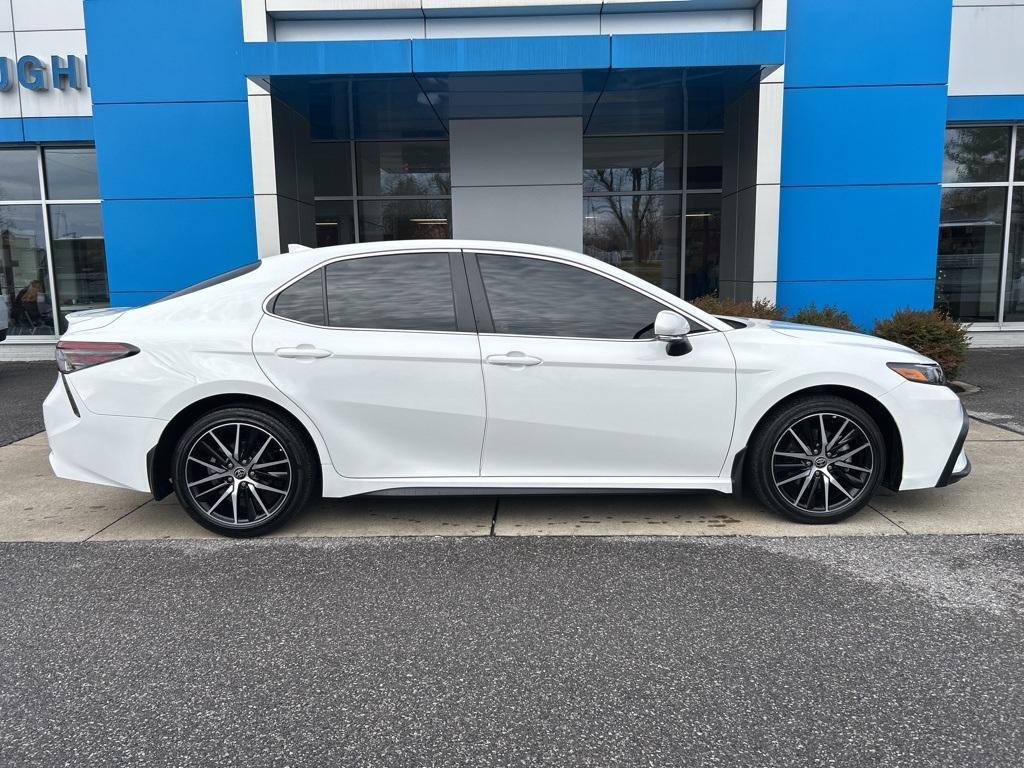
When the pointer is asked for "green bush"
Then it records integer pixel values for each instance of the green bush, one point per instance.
(932, 333)
(761, 308)
(827, 317)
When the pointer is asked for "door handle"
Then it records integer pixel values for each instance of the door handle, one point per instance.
(302, 352)
(515, 359)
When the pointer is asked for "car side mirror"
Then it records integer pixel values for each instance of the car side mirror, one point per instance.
(671, 327)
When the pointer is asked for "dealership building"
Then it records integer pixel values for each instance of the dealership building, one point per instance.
(862, 153)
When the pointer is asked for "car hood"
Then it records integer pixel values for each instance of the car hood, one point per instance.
(819, 335)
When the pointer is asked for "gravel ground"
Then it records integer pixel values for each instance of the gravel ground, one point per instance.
(1000, 375)
(538, 652)
(23, 387)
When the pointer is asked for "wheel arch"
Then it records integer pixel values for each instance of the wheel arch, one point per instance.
(159, 458)
(886, 423)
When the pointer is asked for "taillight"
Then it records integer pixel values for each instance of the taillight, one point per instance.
(75, 355)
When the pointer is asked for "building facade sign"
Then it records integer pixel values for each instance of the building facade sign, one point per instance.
(36, 74)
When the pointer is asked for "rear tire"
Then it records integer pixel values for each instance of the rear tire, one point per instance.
(817, 459)
(242, 471)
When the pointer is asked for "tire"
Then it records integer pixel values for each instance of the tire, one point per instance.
(792, 475)
(248, 492)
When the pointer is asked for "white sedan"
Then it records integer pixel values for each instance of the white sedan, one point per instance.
(429, 366)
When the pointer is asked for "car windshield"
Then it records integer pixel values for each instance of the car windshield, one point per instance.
(212, 281)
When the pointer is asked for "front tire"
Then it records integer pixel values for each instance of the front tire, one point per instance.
(818, 459)
(242, 471)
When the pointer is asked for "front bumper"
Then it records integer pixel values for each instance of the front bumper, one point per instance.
(958, 466)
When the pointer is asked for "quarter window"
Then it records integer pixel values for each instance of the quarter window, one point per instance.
(533, 297)
(410, 292)
(303, 301)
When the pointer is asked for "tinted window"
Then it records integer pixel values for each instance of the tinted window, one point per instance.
(304, 300)
(543, 298)
(410, 291)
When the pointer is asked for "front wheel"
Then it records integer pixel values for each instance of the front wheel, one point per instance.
(242, 471)
(817, 460)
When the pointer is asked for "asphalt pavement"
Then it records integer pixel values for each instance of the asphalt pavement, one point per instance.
(999, 373)
(23, 387)
(871, 651)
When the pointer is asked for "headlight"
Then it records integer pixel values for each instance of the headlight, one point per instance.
(922, 373)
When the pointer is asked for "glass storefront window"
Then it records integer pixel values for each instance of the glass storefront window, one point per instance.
(980, 270)
(19, 174)
(24, 277)
(402, 190)
(1013, 309)
(632, 163)
(976, 154)
(1018, 173)
(704, 161)
(648, 234)
(71, 173)
(332, 169)
(404, 219)
(335, 223)
(79, 258)
(403, 168)
(637, 233)
(703, 244)
(970, 252)
(40, 238)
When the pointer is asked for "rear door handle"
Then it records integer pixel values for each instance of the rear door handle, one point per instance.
(302, 352)
(515, 359)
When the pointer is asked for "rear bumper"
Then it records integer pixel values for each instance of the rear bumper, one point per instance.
(958, 466)
(84, 446)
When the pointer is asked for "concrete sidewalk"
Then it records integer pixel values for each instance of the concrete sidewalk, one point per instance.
(36, 506)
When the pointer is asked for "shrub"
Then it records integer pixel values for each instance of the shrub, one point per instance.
(930, 332)
(827, 317)
(761, 308)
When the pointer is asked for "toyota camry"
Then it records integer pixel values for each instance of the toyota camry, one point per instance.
(431, 366)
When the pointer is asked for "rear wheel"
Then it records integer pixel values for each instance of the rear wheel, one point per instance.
(242, 471)
(817, 460)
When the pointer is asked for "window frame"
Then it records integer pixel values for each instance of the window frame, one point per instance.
(464, 319)
(485, 322)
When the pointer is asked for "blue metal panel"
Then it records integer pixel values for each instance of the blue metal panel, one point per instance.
(149, 50)
(698, 49)
(867, 42)
(328, 58)
(174, 150)
(164, 245)
(865, 300)
(852, 233)
(11, 129)
(58, 129)
(881, 135)
(508, 54)
(977, 109)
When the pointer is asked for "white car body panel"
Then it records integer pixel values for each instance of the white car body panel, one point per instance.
(605, 407)
(384, 399)
(394, 409)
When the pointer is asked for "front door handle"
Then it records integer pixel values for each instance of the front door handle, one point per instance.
(515, 359)
(302, 352)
